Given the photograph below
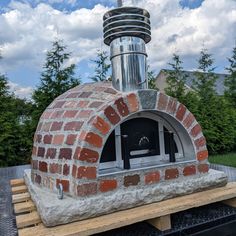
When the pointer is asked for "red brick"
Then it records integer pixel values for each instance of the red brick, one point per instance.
(73, 126)
(196, 130)
(122, 107)
(171, 173)
(84, 190)
(101, 125)
(39, 138)
(86, 154)
(87, 172)
(46, 126)
(110, 90)
(83, 104)
(93, 139)
(57, 114)
(66, 169)
(203, 168)
(200, 142)
(39, 127)
(47, 139)
(84, 114)
(43, 166)
(188, 120)
(34, 164)
(56, 126)
(65, 153)
(95, 104)
(180, 112)
(46, 114)
(172, 105)
(59, 104)
(202, 155)
(70, 140)
(111, 115)
(73, 95)
(58, 139)
(70, 114)
(74, 170)
(51, 153)
(189, 170)
(133, 102)
(152, 177)
(162, 102)
(85, 94)
(107, 185)
(41, 152)
(70, 104)
(37, 179)
(65, 184)
(34, 151)
(131, 180)
(55, 168)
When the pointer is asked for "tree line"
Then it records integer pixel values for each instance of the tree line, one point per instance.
(19, 117)
(215, 113)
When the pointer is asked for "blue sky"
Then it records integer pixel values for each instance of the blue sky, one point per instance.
(28, 27)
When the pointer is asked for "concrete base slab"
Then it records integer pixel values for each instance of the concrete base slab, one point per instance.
(54, 211)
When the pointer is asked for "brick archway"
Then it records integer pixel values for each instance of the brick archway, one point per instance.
(73, 129)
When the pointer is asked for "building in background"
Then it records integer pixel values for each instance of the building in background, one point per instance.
(161, 82)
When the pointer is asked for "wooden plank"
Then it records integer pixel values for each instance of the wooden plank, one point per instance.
(24, 207)
(21, 197)
(162, 223)
(230, 202)
(130, 216)
(27, 220)
(17, 182)
(19, 189)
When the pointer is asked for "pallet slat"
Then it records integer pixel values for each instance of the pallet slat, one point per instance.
(19, 189)
(27, 220)
(17, 182)
(24, 207)
(230, 202)
(130, 216)
(21, 197)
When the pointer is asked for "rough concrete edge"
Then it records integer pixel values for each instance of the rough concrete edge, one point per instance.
(54, 211)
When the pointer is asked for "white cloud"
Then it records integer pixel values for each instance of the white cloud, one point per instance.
(26, 32)
(186, 30)
(20, 91)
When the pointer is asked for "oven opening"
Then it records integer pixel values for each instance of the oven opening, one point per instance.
(141, 142)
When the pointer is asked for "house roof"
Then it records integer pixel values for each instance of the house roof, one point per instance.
(219, 85)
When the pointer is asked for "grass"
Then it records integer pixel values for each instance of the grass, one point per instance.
(224, 159)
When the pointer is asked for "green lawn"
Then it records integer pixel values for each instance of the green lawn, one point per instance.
(224, 159)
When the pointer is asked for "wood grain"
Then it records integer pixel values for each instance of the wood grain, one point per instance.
(130, 216)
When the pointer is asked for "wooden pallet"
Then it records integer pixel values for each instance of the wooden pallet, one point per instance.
(158, 214)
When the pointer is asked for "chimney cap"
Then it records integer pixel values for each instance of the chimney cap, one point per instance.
(126, 21)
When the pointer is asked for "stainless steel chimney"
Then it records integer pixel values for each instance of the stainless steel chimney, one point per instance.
(126, 31)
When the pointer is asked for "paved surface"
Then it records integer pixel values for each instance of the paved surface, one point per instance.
(230, 171)
(182, 222)
(7, 218)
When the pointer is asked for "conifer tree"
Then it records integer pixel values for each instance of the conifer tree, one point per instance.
(15, 127)
(55, 79)
(176, 79)
(102, 67)
(151, 79)
(212, 112)
(230, 81)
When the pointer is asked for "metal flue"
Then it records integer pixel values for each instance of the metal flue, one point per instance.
(126, 30)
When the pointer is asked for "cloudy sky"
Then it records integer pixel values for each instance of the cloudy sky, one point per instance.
(28, 27)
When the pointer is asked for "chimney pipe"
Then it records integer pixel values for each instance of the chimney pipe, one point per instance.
(126, 31)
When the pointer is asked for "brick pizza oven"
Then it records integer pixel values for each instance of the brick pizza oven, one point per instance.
(114, 145)
(80, 141)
